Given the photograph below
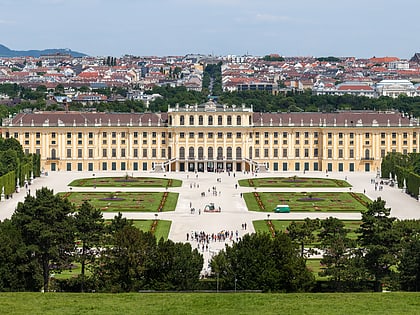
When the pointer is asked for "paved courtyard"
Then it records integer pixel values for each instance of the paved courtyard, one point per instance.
(233, 209)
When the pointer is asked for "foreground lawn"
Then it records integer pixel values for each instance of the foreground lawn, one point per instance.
(126, 181)
(126, 201)
(293, 182)
(312, 202)
(210, 303)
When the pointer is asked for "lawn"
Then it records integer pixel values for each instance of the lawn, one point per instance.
(210, 303)
(309, 202)
(281, 225)
(294, 182)
(126, 181)
(126, 201)
(162, 228)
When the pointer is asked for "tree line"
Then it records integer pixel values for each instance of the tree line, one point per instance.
(262, 101)
(384, 254)
(47, 234)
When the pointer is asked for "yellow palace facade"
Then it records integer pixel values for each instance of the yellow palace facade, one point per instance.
(211, 137)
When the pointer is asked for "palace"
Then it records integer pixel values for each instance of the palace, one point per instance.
(211, 137)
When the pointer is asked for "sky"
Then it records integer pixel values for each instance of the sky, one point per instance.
(357, 28)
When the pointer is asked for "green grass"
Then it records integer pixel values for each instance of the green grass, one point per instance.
(210, 303)
(295, 182)
(162, 229)
(124, 201)
(126, 181)
(281, 225)
(309, 202)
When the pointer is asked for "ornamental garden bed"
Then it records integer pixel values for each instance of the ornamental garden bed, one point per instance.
(309, 202)
(126, 201)
(293, 181)
(126, 181)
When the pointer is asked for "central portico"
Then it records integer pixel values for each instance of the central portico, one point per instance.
(210, 137)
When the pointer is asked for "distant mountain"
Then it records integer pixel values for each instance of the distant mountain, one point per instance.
(7, 52)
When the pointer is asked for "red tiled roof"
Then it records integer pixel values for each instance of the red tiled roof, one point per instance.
(341, 118)
(70, 119)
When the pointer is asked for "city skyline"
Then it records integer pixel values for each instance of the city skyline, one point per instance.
(238, 27)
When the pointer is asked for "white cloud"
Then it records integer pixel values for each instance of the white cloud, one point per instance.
(5, 22)
(271, 18)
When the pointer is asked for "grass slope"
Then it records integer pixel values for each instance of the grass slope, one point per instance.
(210, 303)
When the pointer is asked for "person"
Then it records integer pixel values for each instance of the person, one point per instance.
(188, 236)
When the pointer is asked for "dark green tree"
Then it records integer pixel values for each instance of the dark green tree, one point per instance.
(90, 230)
(121, 266)
(409, 266)
(338, 251)
(303, 233)
(19, 271)
(260, 262)
(379, 242)
(47, 228)
(174, 266)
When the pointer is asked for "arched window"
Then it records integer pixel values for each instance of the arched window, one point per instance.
(367, 154)
(53, 153)
(182, 120)
(200, 153)
(169, 153)
(210, 121)
(229, 153)
(210, 153)
(182, 153)
(200, 120)
(170, 120)
(249, 121)
(191, 153)
(250, 152)
(191, 120)
(238, 120)
(220, 153)
(219, 120)
(229, 120)
(238, 153)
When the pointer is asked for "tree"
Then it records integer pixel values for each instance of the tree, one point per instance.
(46, 226)
(303, 233)
(379, 241)
(409, 266)
(90, 229)
(174, 266)
(121, 267)
(19, 271)
(337, 251)
(259, 262)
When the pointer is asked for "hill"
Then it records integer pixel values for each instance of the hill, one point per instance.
(7, 52)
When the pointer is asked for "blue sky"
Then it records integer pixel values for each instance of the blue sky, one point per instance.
(359, 28)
